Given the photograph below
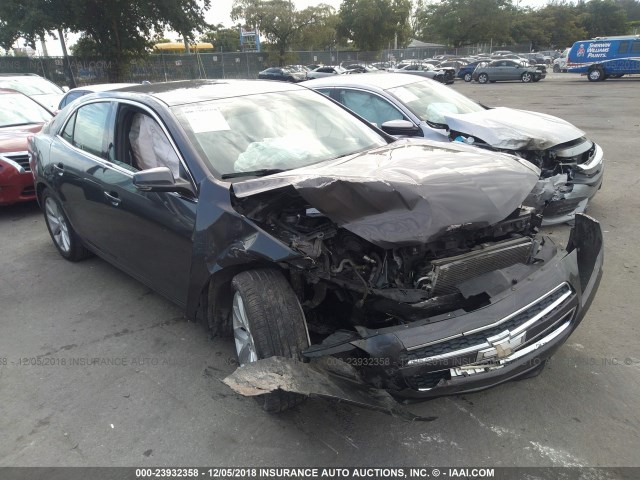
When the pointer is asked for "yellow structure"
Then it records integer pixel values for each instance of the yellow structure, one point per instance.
(178, 47)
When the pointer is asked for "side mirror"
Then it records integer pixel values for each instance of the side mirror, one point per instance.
(401, 128)
(65, 89)
(160, 179)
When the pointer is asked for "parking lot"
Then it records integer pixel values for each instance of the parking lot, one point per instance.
(100, 371)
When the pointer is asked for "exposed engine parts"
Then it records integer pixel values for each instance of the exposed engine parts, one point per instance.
(421, 276)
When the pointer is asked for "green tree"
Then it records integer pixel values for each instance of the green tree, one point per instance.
(121, 29)
(603, 17)
(85, 47)
(555, 25)
(465, 22)
(278, 20)
(223, 39)
(374, 24)
(321, 34)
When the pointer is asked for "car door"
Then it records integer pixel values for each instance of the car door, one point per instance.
(150, 232)
(147, 234)
(513, 70)
(78, 149)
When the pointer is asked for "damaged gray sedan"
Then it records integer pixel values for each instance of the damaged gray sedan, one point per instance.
(572, 166)
(344, 262)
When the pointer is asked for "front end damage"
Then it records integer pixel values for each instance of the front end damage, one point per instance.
(571, 166)
(411, 292)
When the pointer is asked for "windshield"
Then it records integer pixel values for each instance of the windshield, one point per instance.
(430, 101)
(31, 85)
(16, 109)
(273, 131)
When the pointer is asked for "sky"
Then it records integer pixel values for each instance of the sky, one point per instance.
(220, 13)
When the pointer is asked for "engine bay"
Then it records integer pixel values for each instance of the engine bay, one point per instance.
(343, 275)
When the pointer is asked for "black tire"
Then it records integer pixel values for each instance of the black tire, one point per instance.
(483, 78)
(595, 74)
(74, 251)
(276, 325)
(556, 68)
(526, 77)
(467, 77)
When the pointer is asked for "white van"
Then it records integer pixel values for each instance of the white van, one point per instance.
(560, 63)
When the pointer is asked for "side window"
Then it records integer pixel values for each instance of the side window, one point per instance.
(71, 97)
(90, 127)
(67, 133)
(371, 107)
(635, 47)
(324, 91)
(624, 47)
(142, 143)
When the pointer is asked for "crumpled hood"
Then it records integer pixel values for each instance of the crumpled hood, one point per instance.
(409, 192)
(512, 129)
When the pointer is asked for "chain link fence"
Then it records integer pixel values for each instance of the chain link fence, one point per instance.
(168, 67)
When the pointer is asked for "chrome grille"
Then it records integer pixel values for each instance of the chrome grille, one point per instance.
(21, 159)
(478, 339)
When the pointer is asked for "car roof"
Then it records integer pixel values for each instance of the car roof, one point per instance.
(103, 87)
(381, 80)
(194, 91)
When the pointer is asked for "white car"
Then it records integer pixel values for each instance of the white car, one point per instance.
(326, 71)
(46, 93)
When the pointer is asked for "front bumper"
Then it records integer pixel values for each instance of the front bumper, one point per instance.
(586, 182)
(514, 334)
(15, 186)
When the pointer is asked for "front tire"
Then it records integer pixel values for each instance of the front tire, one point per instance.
(62, 233)
(268, 321)
(483, 78)
(556, 68)
(526, 77)
(467, 77)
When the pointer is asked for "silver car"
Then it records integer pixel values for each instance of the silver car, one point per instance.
(326, 71)
(571, 166)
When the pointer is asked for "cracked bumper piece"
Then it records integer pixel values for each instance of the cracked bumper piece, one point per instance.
(458, 352)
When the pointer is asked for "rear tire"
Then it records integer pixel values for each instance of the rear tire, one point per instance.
(483, 78)
(467, 77)
(556, 68)
(268, 321)
(62, 233)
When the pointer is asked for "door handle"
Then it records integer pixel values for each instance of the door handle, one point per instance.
(59, 168)
(113, 198)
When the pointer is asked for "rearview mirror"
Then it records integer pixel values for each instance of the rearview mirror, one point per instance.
(401, 128)
(160, 179)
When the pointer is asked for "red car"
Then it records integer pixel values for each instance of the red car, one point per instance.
(20, 117)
